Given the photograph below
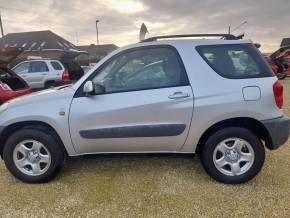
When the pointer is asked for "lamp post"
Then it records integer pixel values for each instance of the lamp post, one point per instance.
(2, 31)
(97, 21)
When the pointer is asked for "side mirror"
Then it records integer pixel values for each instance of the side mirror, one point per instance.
(93, 89)
(88, 88)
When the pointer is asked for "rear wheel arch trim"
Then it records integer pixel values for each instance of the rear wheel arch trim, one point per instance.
(246, 122)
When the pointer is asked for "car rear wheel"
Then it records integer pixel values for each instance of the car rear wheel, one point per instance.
(233, 155)
(33, 155)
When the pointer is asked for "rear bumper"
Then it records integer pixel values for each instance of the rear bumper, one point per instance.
(279, 130)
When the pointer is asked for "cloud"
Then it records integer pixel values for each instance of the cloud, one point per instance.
(267, 20)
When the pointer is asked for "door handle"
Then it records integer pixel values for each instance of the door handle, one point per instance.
(44, 74)
(178, 95)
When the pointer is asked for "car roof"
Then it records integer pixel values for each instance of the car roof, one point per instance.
(183, 42)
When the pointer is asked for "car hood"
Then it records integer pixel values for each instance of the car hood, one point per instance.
(7, 55)
(45, 95)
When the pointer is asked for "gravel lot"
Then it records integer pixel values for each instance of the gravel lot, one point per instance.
(150, 187)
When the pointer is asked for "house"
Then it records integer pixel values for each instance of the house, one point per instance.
(44, 44)
(285, 42)
(95, 52)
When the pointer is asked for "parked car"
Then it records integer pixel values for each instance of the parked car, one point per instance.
(278, 62)
(86, 68)
(216, 98)
(47, 73)
(11, 85)
(273, 66)
(286, 63)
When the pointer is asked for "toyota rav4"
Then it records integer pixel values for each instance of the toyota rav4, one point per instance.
(214, 97)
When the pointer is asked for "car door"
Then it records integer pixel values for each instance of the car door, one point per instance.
(146, 105)
(22, 70)
(37, 73)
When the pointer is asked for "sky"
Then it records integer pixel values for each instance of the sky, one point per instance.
(120, 20)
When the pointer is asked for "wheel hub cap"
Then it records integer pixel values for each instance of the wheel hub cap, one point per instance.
(31, 157)
(233, 156)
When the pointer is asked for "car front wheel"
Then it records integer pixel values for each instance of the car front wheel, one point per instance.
(33, 156)
(233, 155)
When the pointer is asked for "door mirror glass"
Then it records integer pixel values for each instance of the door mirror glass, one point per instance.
(88, 87)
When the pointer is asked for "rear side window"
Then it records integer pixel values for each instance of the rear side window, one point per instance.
(56, 65)
(235, 61)
(38, 66)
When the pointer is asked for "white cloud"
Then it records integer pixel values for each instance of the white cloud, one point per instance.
(120, 20)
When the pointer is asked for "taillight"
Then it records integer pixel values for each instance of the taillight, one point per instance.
(65, 75)
(278, 93)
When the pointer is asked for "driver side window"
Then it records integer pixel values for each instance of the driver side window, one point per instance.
(148, 68)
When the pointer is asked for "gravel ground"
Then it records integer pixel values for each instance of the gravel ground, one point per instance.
(150, 187)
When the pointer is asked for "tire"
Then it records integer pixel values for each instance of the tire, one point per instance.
(281, 76)
(233, 155)
(39, 151)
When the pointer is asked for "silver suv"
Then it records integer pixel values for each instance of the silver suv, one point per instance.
(42, 73)
(214, 97)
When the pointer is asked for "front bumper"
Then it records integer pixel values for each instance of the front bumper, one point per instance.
(279, 131)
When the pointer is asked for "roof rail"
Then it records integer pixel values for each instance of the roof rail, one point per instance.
(223, 36)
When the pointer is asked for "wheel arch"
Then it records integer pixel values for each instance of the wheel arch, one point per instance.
(40, 125)
(249, 123)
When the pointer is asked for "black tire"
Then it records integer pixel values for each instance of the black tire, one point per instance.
(207, 154)
(52, 145)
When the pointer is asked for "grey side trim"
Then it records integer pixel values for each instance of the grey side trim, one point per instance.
(279, 130)
(134, 131)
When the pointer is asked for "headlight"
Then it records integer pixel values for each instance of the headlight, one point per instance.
(3, 107)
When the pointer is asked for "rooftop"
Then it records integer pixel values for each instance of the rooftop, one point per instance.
(36, 40)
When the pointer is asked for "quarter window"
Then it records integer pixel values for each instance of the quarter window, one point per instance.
(142, 69)
(56, 65)
(235, 61)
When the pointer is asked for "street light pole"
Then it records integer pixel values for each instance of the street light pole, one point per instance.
(2, 32)
(97, 21)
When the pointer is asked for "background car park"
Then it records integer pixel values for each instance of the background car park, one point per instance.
(46, 73)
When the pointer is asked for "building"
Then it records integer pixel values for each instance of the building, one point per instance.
(94, 52)
(285, 42)
(44, 44)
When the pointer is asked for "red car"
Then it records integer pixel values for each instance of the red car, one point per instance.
(278, 62)
(11, 85)
(273, 66)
